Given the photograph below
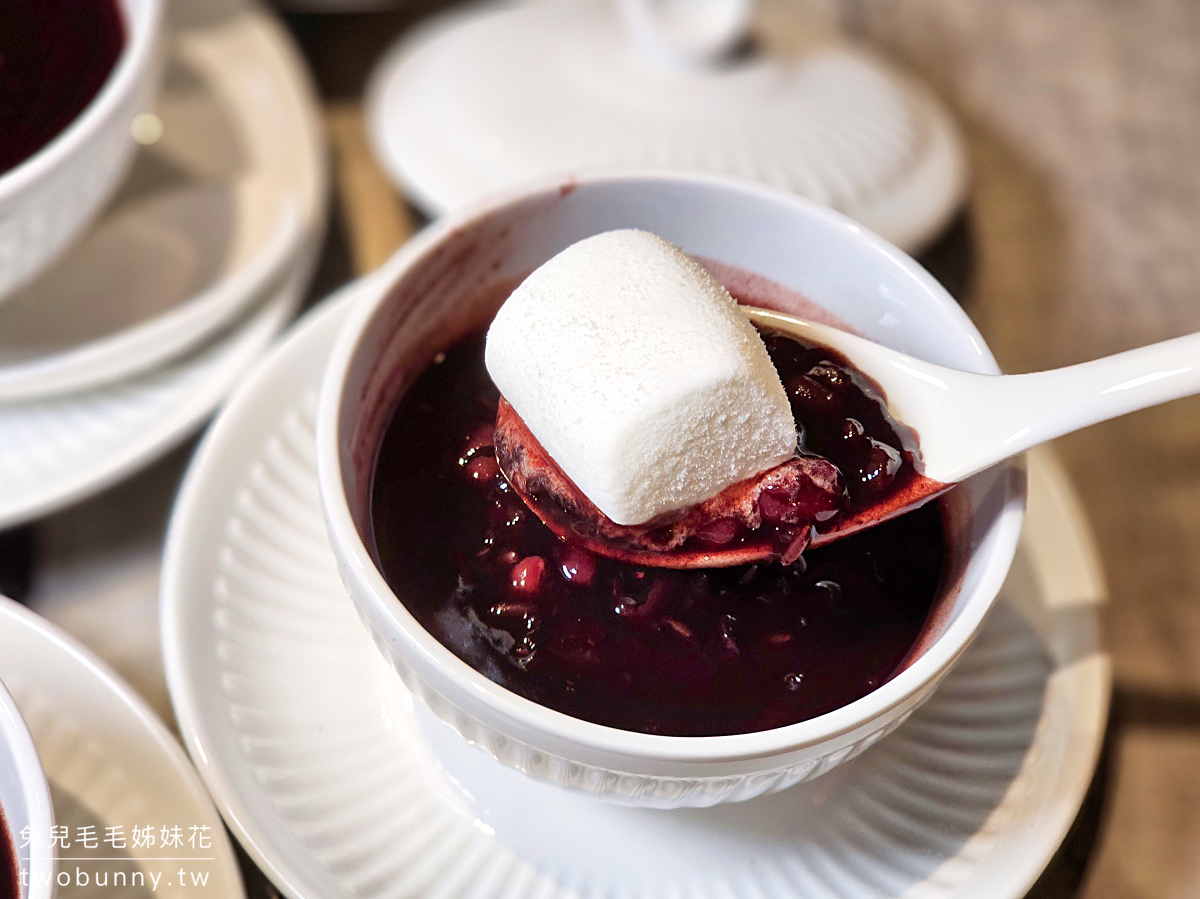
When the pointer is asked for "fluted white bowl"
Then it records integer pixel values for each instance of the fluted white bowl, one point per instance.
(428, 296)
(47, 200)
(25, 803)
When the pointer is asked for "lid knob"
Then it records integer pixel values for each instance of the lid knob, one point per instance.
(688, 33)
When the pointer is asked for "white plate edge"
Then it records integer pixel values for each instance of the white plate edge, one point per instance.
(183, 697)
(263, 272)
(170, 747)
(173, 429)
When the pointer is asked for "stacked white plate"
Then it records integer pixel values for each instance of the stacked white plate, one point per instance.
(131, 339)
(113, 770)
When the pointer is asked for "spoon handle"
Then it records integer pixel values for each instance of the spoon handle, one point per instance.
(988, 418)
(966, 422)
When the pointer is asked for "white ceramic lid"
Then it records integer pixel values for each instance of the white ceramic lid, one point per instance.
(484, 97)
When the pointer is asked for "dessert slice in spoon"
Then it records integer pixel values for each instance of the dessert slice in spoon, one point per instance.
(645, 417)
(851, 467)
(769, 515)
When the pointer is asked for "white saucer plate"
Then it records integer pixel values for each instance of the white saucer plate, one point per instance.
(324, 769)
(57, 450)
(490, 94)
(218, 205)
(111, 763)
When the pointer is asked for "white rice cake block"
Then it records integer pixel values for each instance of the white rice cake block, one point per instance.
(640, 376)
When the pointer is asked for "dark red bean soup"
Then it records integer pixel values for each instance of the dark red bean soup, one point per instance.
(55, 55)
(696, 652)
(10, 887)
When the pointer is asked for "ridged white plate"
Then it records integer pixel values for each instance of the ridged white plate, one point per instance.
(493, 94)
(110, 763)
(323, 768)
(57, 450)
(214, 212)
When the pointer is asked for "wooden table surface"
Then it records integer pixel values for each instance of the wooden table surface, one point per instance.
(1081, 237)
(1084, 127)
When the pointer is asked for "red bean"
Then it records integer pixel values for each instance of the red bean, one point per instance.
(881, 465)
(832, 377)
(481, 436)
(810, 397)
(483, 469)
(527, 576)
(719, 532)
(577, 565)
(774, 506)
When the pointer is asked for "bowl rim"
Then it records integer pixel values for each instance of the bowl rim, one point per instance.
(36, 790)
(135, 59)
(427, 655)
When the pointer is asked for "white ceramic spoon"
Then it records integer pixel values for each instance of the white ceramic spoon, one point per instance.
(967, 422)
(964, 422)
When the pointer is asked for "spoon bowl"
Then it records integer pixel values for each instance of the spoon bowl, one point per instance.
(810, 500)
(556, 503)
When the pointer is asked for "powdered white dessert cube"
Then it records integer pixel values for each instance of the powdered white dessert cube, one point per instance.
(639, 375)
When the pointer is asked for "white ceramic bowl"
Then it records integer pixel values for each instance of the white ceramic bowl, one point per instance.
(47, 199)
(25, 802)
(425, 298)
